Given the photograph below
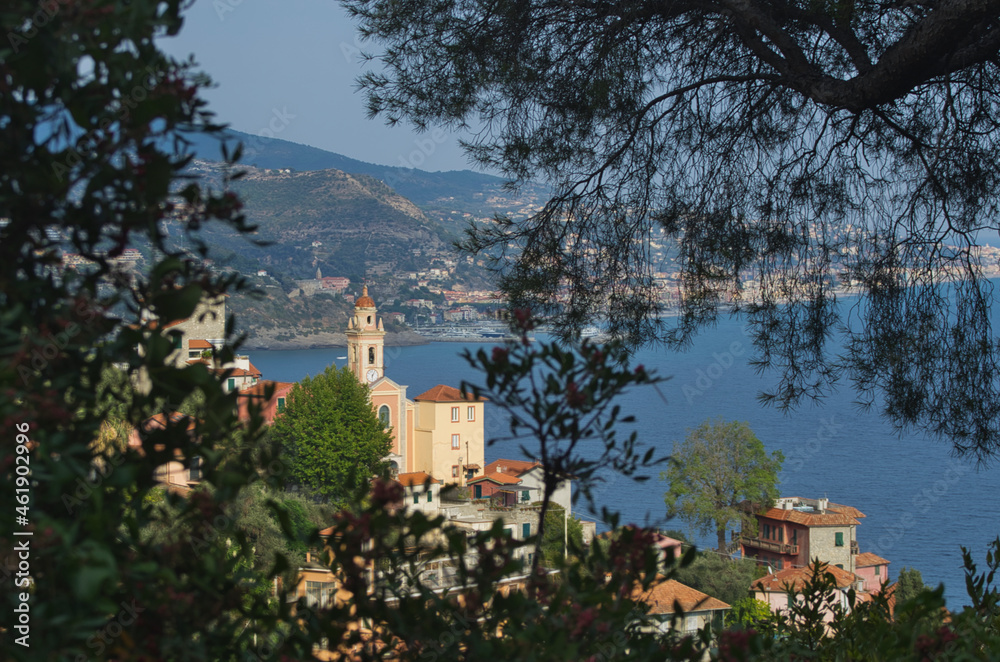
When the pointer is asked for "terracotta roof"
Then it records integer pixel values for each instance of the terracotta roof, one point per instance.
(868, 559)
(500, 479)
(779, 582)
(417, 478)
(834, 515)
(253, 370)
(666, 596)
(259, 389)
(364, 301)
(199, 343)
(442, 393)
(512, 467)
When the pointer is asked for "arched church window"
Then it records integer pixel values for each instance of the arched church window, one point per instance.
(369, 319)
(371, 355)
(383, 415)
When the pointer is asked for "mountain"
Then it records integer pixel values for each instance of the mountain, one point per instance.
(452, 198)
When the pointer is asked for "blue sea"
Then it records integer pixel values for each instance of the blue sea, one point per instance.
(921, 503)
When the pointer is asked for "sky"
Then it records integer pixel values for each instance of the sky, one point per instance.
(288, 70)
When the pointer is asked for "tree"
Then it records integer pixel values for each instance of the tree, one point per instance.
(720, 576)
(563, 535)
(772, 151)
(93, 118)
(718, 466)
(909, 584)
(333, 440)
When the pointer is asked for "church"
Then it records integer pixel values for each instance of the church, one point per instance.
(439, 432)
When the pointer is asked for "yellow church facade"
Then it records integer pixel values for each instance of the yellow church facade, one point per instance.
(439, 432)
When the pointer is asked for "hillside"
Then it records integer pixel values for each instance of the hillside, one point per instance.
(452, 198)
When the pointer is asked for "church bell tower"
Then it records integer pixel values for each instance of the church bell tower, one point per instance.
(365, 341)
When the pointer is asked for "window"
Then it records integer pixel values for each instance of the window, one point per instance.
(525, 495)
(281, 405)
(526, 530)
(767, 531)
(319, 594)
(479, 491)
(177, 341)
(194, 354)
(416, 499)
(456, 442)
(779, 564)
(781, 535)
(471, 413)
(231, 384)
(430, 496)
(194, 469)
(454, 471)
(454, 414)
(383, 415)
(795, 536)
(371, 355)
(878, 570)
(838, 538)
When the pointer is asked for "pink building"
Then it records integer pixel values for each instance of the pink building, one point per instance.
(873, 569)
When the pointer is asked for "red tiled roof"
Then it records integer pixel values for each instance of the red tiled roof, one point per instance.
(512, 467)
(797, 577)
(417, 478)
(259, 389)
(499, 479)
(199, 344)
(253, 370)
(666, 596)
(442, 393)
(868, 559)
(834, 515)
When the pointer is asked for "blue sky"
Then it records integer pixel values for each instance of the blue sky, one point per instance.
(292, 65)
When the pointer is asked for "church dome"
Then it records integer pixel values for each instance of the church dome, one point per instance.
(364, 301)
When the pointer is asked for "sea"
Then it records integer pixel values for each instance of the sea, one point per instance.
(921, 503)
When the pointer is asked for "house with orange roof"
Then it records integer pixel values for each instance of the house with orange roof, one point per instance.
(531, 474)
(873, 569)
(503, 489)
(269, 395)
(796, 530)
(184, 471)
(775, 588)
(421, 491)
(676, 606)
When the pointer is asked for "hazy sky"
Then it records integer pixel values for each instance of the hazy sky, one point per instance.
(290, 67)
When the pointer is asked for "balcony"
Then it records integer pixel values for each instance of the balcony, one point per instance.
(854, 547)
(767, 545)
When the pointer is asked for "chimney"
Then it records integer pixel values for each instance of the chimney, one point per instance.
(822, 504)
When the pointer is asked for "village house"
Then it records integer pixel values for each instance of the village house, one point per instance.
(676, 606)
(796, 530)
(873, 570)
(774, 588)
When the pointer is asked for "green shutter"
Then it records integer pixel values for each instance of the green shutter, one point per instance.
(416, 499)
(526, 530)
(231, 383)
(429, 495)
(479, 491)
(839, 538)
(281, 405)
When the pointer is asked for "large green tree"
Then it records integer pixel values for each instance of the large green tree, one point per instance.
(772, 151)
(719, 465)
(331, 436)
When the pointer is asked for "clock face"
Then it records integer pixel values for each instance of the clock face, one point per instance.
(372, 375)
